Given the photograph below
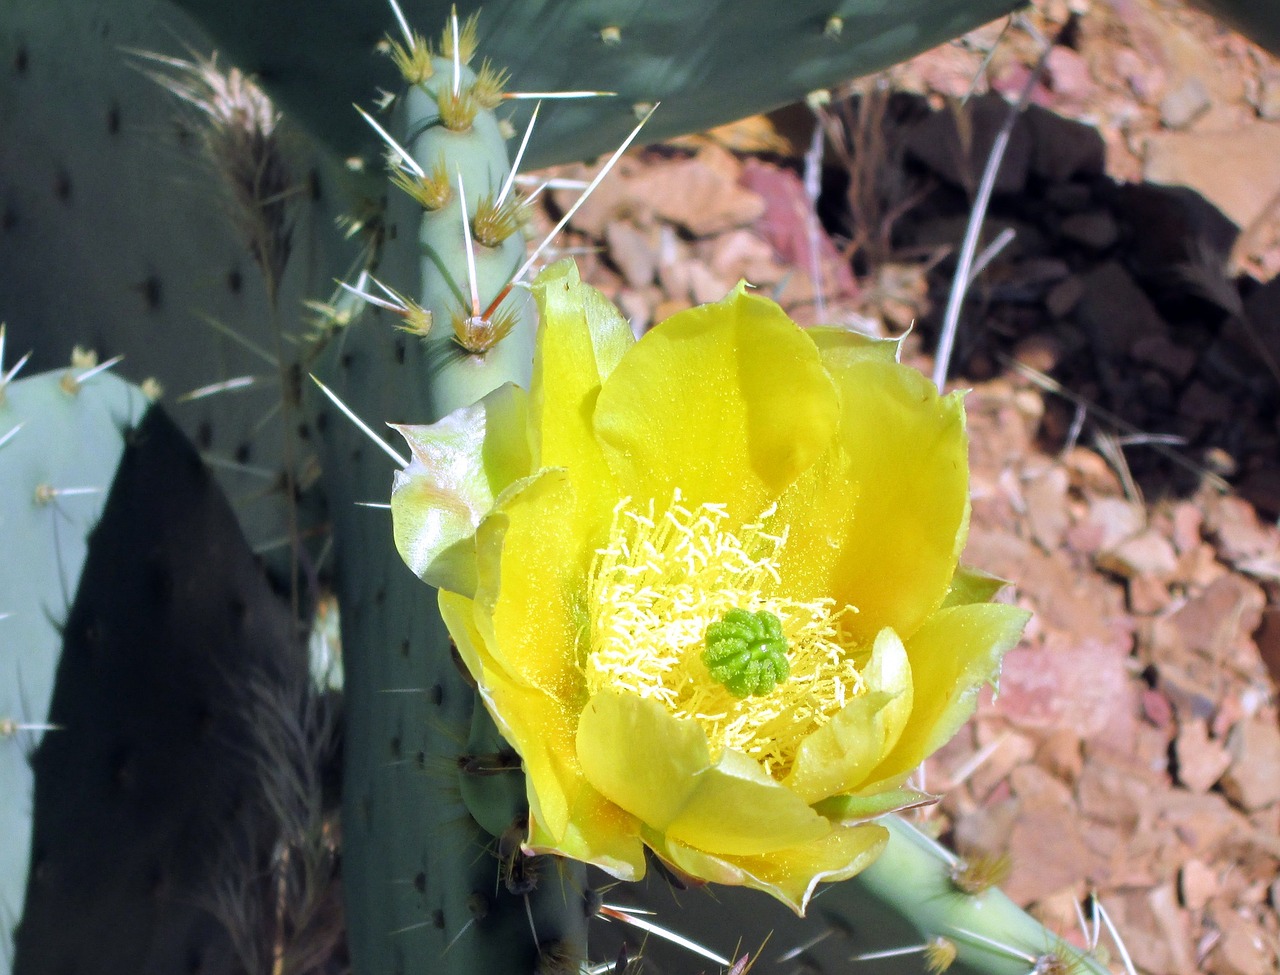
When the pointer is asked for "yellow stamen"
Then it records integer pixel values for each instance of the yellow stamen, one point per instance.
(657, 585)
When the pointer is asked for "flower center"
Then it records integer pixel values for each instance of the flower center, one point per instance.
(677, 598)
(747, 653)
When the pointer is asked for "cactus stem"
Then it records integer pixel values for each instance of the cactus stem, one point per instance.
(364, 427)
(568, 215)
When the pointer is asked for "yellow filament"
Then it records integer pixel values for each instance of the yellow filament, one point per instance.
(657, 585)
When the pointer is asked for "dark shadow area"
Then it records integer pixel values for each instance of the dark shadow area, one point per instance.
(1117, 293)
(146, 800)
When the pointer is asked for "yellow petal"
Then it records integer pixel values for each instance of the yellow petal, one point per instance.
(596, 832)
(841, 754)
(879, 522)
(790, 875)
(581, 338)
(532, 568)
(538, 726)
(658, 768)
(952, 656)
(727, 402)
(459, 465)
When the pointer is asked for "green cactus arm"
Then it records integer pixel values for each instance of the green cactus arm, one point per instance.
(434, 800)
(914, 880)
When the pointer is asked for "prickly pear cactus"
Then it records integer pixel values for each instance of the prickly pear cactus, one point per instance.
(119, 232)
(707, 63)
(433, 798)
(134, 604)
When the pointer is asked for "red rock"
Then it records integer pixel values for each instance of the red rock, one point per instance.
(1048, 842)
(1200, 402)
(1233, 170)
(1237, 530)
(700, 194)
(1197, 884)
(1200, 760)
(787, 222)
(1187, 519)
(1060, 753)
(1147, 595)
(1072, 682)
(1116, 520)
(1046, 501)
(1157, 709)
(635, 252)
(1213, 621)
(1253, 780)
(1175, 361)
(1115, 311)
(1148, 553)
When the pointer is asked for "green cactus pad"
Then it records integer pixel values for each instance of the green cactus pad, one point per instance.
(707, 63)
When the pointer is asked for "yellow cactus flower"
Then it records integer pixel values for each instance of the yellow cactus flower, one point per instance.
(708, 585)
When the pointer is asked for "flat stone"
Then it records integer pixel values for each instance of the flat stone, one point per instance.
(1118, 519)
(1114, 311)
(935, 142)
(1061, 300)
(1175, 361)
(1046, 501)
(1268, 100)
(1253, 780)
(1147, 553)
(1064, 149)
(1241, 949)
(1074, 682)
(1049, 842)
(1096, 229)
(1200, 760)
(1184, 104)
(1235, 171)
(1197, 884)
(634, 252)
(698, 195)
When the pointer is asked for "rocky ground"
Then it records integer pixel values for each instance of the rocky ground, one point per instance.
(1123, 351)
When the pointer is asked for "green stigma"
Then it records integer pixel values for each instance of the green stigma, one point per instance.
(747, 653)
